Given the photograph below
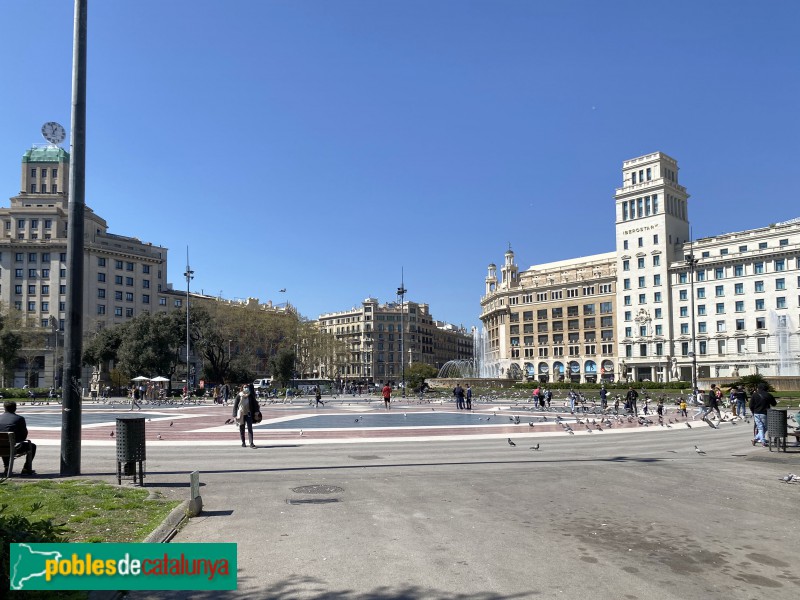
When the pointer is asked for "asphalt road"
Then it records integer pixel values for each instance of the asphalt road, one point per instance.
(633, 516)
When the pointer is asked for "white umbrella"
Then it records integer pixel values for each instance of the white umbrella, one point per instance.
(141, 378)
(160, 378)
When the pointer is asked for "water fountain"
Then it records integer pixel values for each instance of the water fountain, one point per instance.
(781, 329)
(482, 365)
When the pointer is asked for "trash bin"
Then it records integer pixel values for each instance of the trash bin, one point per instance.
(777, 428)
(131, 450)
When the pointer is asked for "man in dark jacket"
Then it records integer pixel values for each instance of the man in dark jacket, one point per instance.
(631, 397)
(11, 421)
(760, 402)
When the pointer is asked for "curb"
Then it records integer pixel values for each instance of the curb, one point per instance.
(160, 535)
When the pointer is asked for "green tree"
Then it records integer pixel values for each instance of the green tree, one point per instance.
(151, 344)
(282, 366)
(417, 373)
(10, 345)
(751, 382)
(104, 346)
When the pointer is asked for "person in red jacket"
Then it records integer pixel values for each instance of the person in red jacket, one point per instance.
(387, 395)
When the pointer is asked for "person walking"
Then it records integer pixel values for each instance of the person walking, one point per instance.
(630, 398)
(741, 401)
(704, 405)
(714, 399)
(387, 395)
(135, 396)
(682, 408)
(458, 392)
(318, 396)
(244, 407)
(603, 397)
(14, 423)
(760, 403)
(469, 397)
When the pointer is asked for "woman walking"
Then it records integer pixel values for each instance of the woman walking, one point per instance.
(244, 407)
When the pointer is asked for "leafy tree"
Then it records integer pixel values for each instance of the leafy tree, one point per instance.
(751, 383)
(417, 373)
(282, 366)
(104, 346)
(151, 344)
(10, 344)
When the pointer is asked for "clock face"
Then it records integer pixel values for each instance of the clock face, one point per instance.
(53, 132)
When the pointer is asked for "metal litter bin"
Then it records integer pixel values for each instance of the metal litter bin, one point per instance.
(130, 448)
(777, 428)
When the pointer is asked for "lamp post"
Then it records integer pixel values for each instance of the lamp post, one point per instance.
(691, 262)
(401, 291)
(189, 274)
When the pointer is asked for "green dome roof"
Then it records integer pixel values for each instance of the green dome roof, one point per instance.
(47, 154)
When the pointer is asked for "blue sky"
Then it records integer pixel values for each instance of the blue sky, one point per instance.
(321, 146)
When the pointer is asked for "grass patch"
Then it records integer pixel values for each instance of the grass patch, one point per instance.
(88, 511)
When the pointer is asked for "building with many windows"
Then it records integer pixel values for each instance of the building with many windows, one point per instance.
(122, 275)
(668, 308)
(370, 337)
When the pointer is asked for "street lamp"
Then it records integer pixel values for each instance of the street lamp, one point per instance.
(401, 291)
(189, 274)
(691, 262)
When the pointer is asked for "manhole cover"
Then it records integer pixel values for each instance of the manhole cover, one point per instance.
(364, 457)
(318, 489)
(312, 501)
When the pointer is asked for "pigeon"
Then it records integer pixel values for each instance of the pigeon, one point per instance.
(510, 443)
(228, 421)
(511, 419)
(530, 424)
(111, 434)
(701, 452)
(689, 425)
(159, 436)
(516, 420)
(536, 447)
(171, 423)
(358, 419)
(598, 428)
(301, 433)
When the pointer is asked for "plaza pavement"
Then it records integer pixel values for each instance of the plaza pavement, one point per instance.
(631, 512)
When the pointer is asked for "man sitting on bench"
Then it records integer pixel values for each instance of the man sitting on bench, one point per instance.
(11, 421)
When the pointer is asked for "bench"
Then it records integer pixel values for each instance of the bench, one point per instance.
(7, 445)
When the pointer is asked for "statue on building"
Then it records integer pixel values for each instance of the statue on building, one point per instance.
(675, 372)
(735, 371)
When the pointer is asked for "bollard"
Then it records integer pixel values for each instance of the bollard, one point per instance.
(195, 500)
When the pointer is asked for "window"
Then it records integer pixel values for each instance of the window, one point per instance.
(657, 260)
(145, 283)
(45, 289)
(62, 257)
(657, 313)
(720, 326)
(738, 289)
(739, 324)
(625, 244)
(101, 277)
(45, 273)
(641, 282)
(761, 322)
(684, 328)
(703, 347)
(659, 330)
(701, 327)
(627, 315)
(701, 310)
(31, 272)
(129, 266)
(683, 278)
(758, 268)
(738, 270)
(605, 308)
(783, 242)
(780, 302)
(701, 275)
(701, 293)
(117, 264)
(719, 291)
(759, 286)
(780, 264)
(780, 284)
(128, 296)
(626, 300)
(719, 273)
(723, 252)
(18, 273)
(628, 332)
(101, 309)
(101, 292)
(118, 296)
(626, 265)
(129, 281)
(642, 299)
(626, 284)
(117, 311)
(640, 262)
(759, 304)
(118, 279)
(146, 269)
(721, 347)
(705, 254)
(720, 308)
(162, 301)
(101, 262)
(45, 307)
(656, 279)
(740, 306)
(641, 240)
(684, 311)
(683, 295)
(32, 257)
(177, 303)
(655, 238)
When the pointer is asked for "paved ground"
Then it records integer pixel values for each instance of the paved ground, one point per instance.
(459, 513)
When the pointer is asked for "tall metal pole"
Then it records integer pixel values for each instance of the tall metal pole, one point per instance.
(71, 394)
(692, 262)
(189, 274)
(401, 291)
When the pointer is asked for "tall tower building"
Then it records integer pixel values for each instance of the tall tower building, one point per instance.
(652, 224)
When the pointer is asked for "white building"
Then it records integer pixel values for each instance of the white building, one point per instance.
(743, 316)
